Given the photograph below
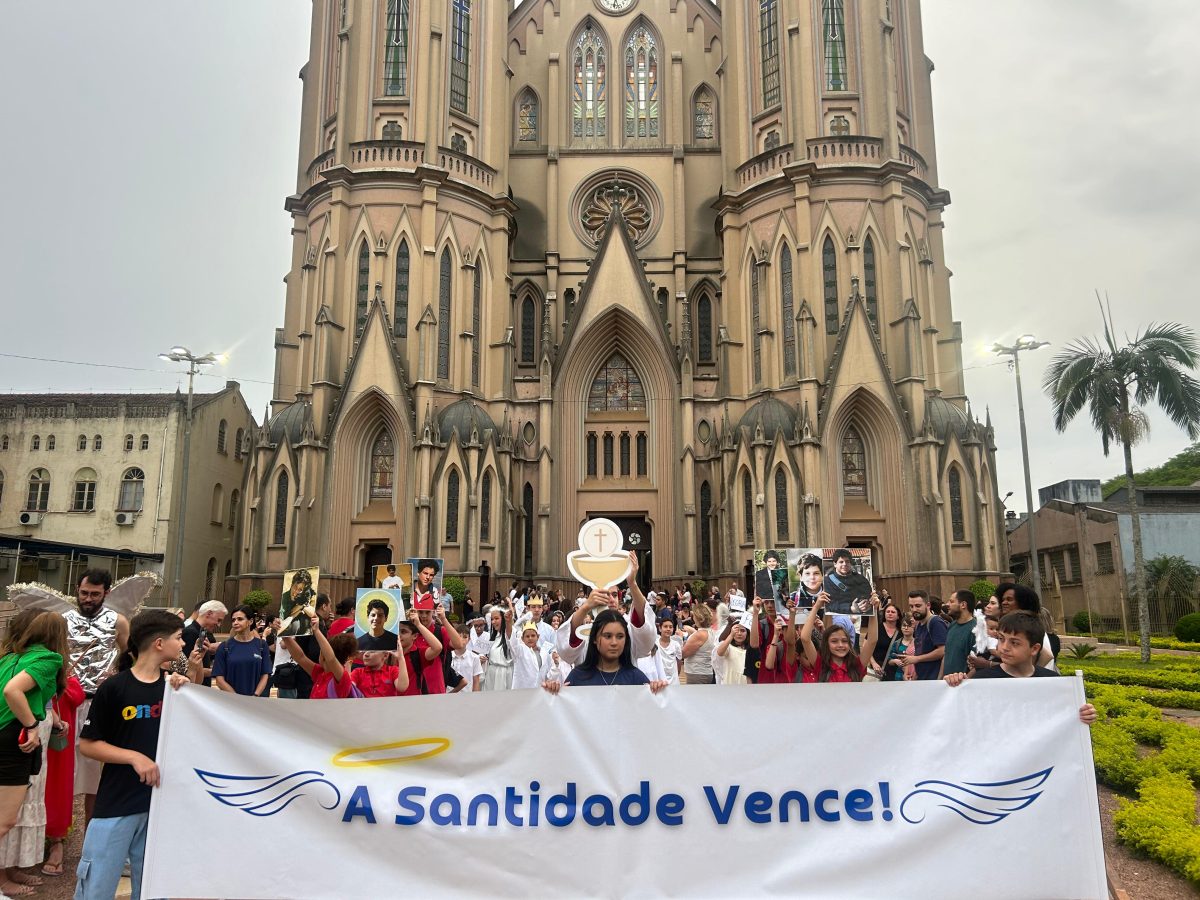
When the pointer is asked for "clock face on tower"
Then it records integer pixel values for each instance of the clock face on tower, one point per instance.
(615, 6)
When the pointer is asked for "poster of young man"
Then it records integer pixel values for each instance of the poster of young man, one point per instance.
(806, 572)
(848, 581)
(771, 577)
(394, 576)
(377, 618)
(299, 598)
(427, 575)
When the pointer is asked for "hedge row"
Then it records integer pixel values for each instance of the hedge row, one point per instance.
(1162, 820)
(1119, 637)
(1156, 699)
(1166, 680)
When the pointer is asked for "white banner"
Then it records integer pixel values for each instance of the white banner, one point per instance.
(986, 790)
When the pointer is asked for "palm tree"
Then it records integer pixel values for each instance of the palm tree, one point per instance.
(1115, 383)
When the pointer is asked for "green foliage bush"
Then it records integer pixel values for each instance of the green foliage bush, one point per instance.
(1188, 628)
(456, 587)
(982, 589)
(1081, 622)
(258, 600)
(1162, 823)
(1158, 643)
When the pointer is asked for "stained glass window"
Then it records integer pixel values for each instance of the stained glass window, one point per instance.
(360, 293)
(527, 506)
(528, 330)
(768, 23)
(834, 26)
(527, 117)
(854, 465)
(485, 509)
(403, 262)
(392, 131)
(452, 507)
(383, 467)
(589, 103)
(747, 509)
(133, 490)
(788, 312)
(703, 116)
(616, 387)
(869, 288)
(704, 328)
(281, 507)
(641, 455)
(476, 323)
(443, 366)
(782, 524)
(591, 454)
(460, 53)
(755, 323)
(957, 527)
(395, 60)
(705, 528)
(641, 85)
(829, 271)
(625, 454)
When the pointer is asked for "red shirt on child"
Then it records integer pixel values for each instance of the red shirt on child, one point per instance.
(379, 682)
(839, 673)
(322, 681)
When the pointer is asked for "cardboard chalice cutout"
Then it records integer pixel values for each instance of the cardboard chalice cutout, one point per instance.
(601, 560)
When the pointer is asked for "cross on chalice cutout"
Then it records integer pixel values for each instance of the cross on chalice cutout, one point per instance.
(600, 560)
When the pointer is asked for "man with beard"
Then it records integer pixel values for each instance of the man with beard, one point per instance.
(848, 591)
(96, 637)
(929, 639)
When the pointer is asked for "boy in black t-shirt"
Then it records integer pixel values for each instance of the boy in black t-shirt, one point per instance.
(1021, 637)
(121, 731)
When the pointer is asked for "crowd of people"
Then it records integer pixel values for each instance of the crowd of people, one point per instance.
(83, 691)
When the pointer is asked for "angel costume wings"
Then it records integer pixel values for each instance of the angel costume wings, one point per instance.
(125, 598)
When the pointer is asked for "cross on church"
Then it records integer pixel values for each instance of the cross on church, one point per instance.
(616, 193)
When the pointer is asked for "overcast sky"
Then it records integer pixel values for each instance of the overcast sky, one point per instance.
(149, 147)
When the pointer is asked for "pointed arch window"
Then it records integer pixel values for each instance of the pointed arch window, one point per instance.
(279, 533)
(222, 436)
(788, 312)
(747, 509)
(403, 264)
(958, 526)
(383, 467)
(210, 578)
(133, 490)
(782, 520)
(704, 328)
(833, 18)
(705, 528)
(704, 116)
(854, 465)
(869, 283)
(452, 507)
(527, 117)
(395, 59)
(641, 84)
(755, 322)
(218, 504)
(485, 509)
(616, 387)
(625, 454)
(830, 284)
(768, 25)
(642, 455)
(235, 506)
(528, 330)
(590, 454)
(476, 321)
(360, 289)
(239, 436)
(527, 507)
(608, 454)
(589, 101)
(443, 365)
(460, 54)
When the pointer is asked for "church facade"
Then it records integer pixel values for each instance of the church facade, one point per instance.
(670, 262)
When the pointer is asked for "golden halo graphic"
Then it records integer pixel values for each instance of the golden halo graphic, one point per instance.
(391, 754)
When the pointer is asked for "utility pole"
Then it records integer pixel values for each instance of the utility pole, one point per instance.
(1025, 342)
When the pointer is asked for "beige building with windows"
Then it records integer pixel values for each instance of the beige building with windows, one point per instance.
(670, 262)
(93, 480)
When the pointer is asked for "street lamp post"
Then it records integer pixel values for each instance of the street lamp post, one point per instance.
(1025, 342)
(183, 354)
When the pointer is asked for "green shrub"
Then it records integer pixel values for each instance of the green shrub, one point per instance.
(1162, 823)
(1082, 651)
(1115, 754)
(982, 589)
(258, 600)
(1188, 628)
(1081, 622)
(456, 587)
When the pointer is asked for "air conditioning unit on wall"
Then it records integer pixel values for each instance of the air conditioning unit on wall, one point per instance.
(31, 517)
(125, 518)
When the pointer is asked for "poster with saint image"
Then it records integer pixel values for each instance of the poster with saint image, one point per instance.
(427, 579)
(771, 583)
(299, 600)
(395, 576)
(847, 574)
(377, 618)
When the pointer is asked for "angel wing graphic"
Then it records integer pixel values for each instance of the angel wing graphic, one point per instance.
(981, 803)
(126, 596)
(266, 795)
(32, 595)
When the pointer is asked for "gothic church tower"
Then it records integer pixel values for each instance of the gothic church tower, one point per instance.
(671, 262)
